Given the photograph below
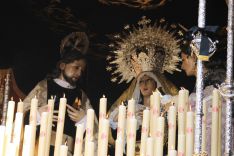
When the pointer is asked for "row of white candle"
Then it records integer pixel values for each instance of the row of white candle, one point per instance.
(153, 141)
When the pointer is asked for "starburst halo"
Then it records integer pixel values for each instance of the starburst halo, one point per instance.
(156, 47)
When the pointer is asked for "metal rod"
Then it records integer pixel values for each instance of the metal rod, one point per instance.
(199, 86)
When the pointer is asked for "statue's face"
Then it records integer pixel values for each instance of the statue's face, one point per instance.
(188, 64)
(71, 72)
(147, 85)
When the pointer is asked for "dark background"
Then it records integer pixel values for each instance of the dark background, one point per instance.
(30, 37)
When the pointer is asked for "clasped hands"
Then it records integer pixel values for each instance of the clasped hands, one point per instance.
(75, 114)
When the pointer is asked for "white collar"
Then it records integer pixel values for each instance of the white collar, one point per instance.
(64, 83)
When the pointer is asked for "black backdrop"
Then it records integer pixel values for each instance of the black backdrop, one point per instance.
(30, 47)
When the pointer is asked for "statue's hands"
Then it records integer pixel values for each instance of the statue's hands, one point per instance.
(74, 114)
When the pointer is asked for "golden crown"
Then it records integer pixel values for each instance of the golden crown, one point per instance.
(155, 48)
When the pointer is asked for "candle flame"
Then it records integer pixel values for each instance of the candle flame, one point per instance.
(64, 95)
(51, 97)
(12, 98)
(20, 100)
(103, 96)
(190, 107)
(107, 116)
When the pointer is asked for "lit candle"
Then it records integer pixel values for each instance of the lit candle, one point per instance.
(171, 127)
(215, 123)
(189, 133)
(154, 111)
(2, 139)
(102, 107)
(90, 151)
(63, 150)
(149, 147)
(131, 136)
(102, 115)
(9, 121)
(79, 140)
(181, 145)
(60, 125)
(18, 129)
(204, 118)
(103, 147)
(182, 100)
(119, 147)
(172, 152)
(43, 131)
(20, 106)
(121, 122)
(49, 125)
(159, 136)
(144, 131)
(27, 140)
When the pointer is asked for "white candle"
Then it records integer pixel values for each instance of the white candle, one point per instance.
(171, 127)
(102, 115)
(27, 140)
(119, 147)
(121, 122)
(144, 131)
(154, 110)
(215, 123)
(131, 108)
(60, 125)
(103, 147)
(18, 129)
(79, 140)
(204, 118)
(33, 111)
(20, 106)
(89, 124)
(149, 147)
(102, 107)
(220, 128)
(131, 136)
(49, 125)
(33, 123)
(181, 145)
(172, 153)
(182, 100)
(2, 139)
(9, 121)
(89, 128)
(159, 136)
(189, 133)
(90, 151)
(11, 149)
(63, 150)
(43, 134)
